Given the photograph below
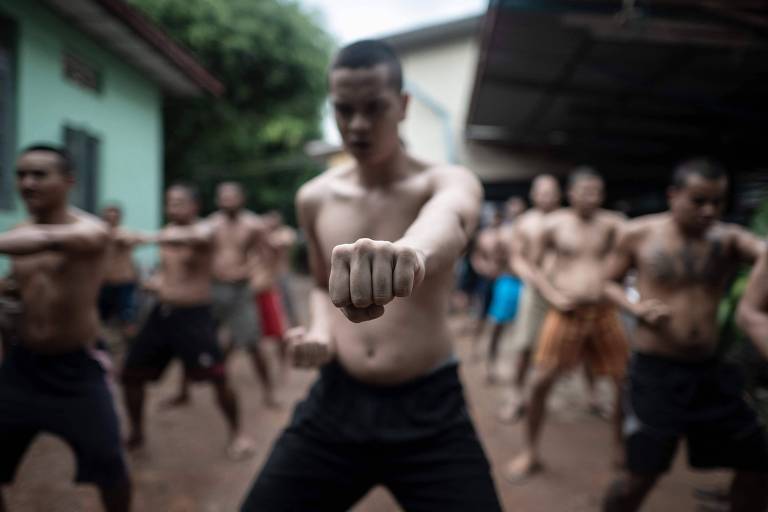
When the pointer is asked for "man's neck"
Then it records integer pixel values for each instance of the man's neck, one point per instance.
(58, 215)
(387, 171)
(231, 215)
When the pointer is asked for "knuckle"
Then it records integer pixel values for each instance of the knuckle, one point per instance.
(341, 251)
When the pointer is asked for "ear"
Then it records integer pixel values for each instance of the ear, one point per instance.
(405, 100)
(69, 177)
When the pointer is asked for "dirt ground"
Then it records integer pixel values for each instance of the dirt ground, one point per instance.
(184, 467)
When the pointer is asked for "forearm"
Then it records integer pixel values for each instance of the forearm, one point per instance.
(23, 241)
(320, 310)
(439, 240)
(181, 236)
(755, 325)
(615, 294)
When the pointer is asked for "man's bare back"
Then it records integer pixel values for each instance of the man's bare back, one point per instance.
(59, 289)
(412, 336)
(687, 277)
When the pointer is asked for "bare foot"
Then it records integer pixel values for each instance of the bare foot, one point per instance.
(175, 402)
(511, 412)
(522, 467)
(134, 442)
(240, 448)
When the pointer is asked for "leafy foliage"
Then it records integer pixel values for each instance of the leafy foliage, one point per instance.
(271, 56)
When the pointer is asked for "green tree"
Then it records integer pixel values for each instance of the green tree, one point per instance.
(271, 56)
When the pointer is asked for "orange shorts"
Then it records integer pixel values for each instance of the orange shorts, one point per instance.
(592, 335)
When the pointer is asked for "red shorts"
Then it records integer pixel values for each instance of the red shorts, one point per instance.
(271, 312)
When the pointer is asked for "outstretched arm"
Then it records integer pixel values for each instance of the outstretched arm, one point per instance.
(195, 234)
(753, 310)
(80, 236)
(367, 274)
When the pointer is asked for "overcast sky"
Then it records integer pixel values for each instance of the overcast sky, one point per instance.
(349, 20)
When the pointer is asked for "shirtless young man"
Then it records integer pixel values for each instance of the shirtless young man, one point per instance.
(506, 287)
(269, 281)
(488, 265)
(580, 326)
(117, 298)
(49, 379)
(684, 260)
(238, 234)
(181, 324)
(545, 197)
(384, 234)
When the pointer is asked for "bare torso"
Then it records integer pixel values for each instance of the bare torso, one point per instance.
(58, 292)
(579, 248)
(185, 274)
(690, 276)
(234, 238)
(120, 268)
(412, 337)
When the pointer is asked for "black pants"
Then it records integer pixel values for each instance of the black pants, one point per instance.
(416, 439)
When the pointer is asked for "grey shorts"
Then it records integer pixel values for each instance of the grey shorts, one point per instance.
(235, 310)
(530, 318)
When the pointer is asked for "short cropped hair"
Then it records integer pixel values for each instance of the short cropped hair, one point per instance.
(369, 53)
(699, 166)
(191, 190)
(583, 172)
(66, 164)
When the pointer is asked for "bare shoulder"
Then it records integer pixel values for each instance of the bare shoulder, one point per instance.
(321, 185)
(639, 227)
(89, 222)
(612, 217)
(453, 175)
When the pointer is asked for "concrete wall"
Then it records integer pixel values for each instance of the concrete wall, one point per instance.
(125, 115)
(440, 78)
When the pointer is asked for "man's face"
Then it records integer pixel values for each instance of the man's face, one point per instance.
(699, 203)
(546, 195)
(179, 206)
(368, 111)
(229, 198)
(111, 216)
(586, 195)
(40, 180)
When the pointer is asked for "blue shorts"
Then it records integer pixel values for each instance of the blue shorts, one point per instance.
(506, 295)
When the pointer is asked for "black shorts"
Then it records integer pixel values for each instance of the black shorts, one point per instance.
(188, 333)
(703, 402)
(66, 395)
(416, 439)
(118, 301)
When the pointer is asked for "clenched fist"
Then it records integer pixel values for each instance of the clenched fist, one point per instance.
(368, 274)
(308, 350)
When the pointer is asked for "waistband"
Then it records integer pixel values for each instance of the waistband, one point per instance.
(445, 369)
(166, 309)
(658, 360)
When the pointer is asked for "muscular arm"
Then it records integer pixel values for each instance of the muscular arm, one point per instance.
(320, 305)
(534, 270)
(134, 238)
(30, 239)
(752, 314)
(196, 234)
(748, 246)
(442, 229)
(620, 261)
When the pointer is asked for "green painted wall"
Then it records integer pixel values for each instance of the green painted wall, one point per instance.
(125, 115)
